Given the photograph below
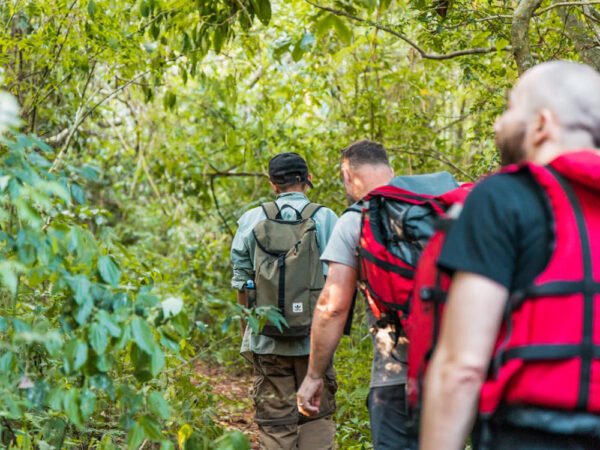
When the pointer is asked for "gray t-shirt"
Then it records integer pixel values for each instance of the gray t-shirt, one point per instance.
(389, 363)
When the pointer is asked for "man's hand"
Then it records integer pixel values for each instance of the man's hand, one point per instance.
(327, 327)
(309, 396)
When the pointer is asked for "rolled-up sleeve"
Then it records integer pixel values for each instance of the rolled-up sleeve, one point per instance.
(241, 254)
(325, 221)
(344, 241)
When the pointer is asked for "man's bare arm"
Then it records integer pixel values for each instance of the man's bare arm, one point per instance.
(330, 317)
(459, 365)
(328, 323)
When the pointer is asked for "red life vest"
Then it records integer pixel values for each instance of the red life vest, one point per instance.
(387, 280)
(548, 349)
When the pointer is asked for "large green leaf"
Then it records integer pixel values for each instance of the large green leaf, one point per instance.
(142, 363)
(84, 311)
(143, 335)
(77, 193)
(151, 428)
(109, 323)
(262, 8)
(158, 405)
(9, 274)
(135, 437)
(303, 45)
(98, 338)
(167, 445)
(6, 361)
(219, 36)
(91, 8)
(80, 284)
(109, 271)
(87, 401)
(75, 355)
(170, 100)
(233, 440)
(342, 29)
(81, 354)
(158, 361)
(70, 401)
(323, 25)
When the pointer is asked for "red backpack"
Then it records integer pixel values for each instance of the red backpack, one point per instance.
(396, 226)
(431, 286)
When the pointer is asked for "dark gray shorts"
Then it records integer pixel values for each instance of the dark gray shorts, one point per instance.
(389, 420)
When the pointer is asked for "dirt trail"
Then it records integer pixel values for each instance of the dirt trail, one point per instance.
(233, 399)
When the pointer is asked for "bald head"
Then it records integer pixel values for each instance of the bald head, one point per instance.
(570, 90)
(554, 108)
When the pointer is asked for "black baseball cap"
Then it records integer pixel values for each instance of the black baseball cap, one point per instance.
(288, 168)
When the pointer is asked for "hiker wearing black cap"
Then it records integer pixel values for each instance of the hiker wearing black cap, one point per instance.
(275, 256)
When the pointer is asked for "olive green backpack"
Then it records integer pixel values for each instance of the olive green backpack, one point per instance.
(289, 272)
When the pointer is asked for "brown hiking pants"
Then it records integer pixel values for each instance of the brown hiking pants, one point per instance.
(281, 426)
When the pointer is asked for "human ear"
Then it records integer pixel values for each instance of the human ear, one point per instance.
(346, 175)
(544, 126)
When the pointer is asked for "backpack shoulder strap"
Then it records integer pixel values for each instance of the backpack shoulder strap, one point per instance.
(310, 210)
(271, 210)
(355, 207)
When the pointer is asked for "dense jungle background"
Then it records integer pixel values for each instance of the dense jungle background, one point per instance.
(134, 133)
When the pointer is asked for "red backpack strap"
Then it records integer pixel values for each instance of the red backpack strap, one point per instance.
(458, 195)
(396, 193)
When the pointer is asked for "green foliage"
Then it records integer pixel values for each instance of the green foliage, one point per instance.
(84, 338)
(232, 441)
(353, 365)
(156, 120)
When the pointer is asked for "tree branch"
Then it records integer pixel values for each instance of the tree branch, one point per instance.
(403, 37)
(80, 117)
(591, 13)
(560, 4)
(245, 10)
(235, 174)
(520, 33)
(78, 120)
(218, 208)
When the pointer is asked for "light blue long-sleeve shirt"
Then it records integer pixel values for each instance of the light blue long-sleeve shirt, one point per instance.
(242, 259)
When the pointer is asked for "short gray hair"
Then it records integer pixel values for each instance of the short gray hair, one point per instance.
(570, 90)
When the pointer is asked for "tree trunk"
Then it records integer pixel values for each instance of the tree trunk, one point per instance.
(520, 33)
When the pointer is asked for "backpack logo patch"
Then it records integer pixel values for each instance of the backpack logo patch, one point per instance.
(297, 307)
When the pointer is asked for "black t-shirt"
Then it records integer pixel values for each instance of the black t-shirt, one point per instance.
(504, 232)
